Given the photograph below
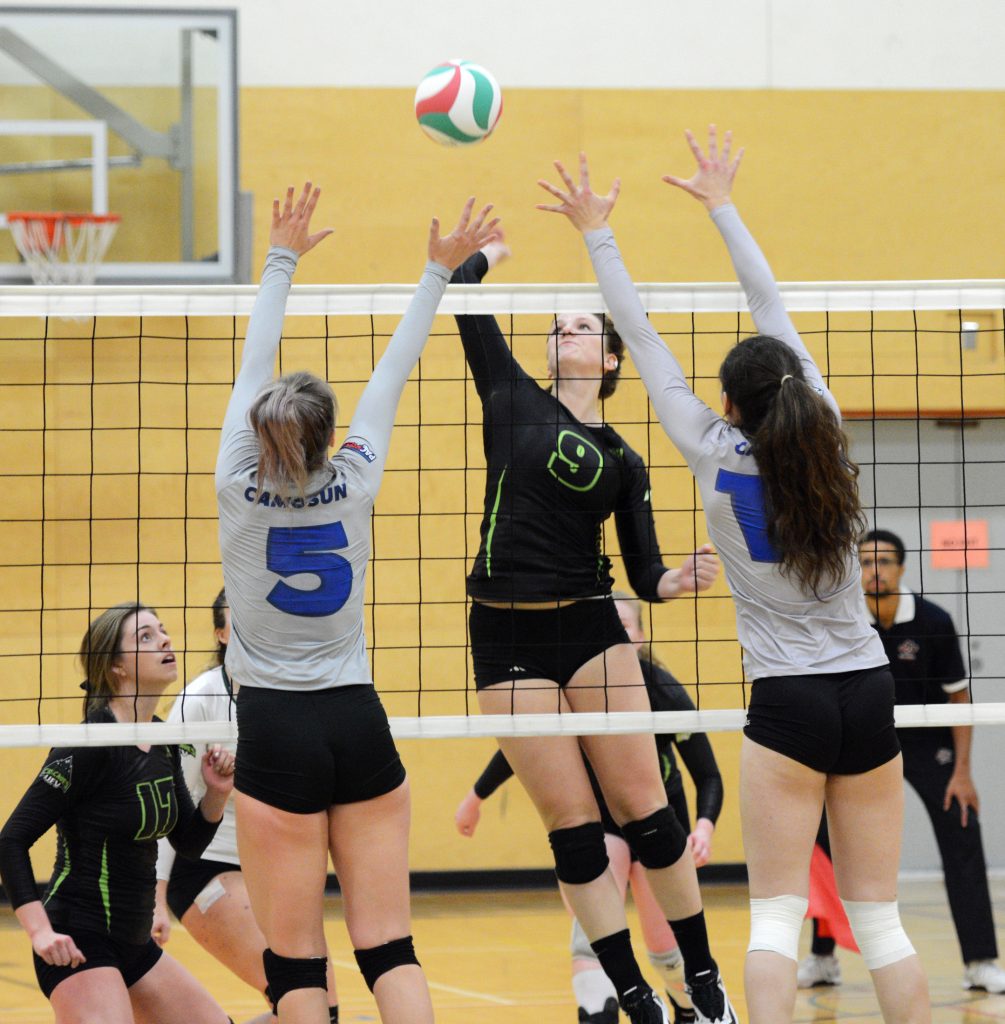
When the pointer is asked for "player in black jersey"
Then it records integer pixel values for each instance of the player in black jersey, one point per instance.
(595, 995)
(546, 637)
(93, 954)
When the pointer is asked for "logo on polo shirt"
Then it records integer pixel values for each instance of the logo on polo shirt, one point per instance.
(907, 650)
(361, 449)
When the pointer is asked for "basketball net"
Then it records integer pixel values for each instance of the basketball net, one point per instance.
(62, 248)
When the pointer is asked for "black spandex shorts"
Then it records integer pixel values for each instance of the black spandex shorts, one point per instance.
(304, 752)
(840, 722)
(130, 959)
(189, 878)
(552, 643)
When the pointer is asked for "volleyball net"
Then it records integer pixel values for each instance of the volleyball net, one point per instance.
(113, 399)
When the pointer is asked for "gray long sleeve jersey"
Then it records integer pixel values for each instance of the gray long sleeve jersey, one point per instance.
(295, 565)
(783, 629)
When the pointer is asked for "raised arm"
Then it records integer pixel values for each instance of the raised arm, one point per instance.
(377, 406)
(486, 350)
(289, 239)
(711, 184)
(685, 417)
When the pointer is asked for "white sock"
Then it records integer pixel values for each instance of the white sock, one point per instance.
(671, 968)
(593, 989)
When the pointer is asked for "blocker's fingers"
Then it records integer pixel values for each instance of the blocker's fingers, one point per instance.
(480, 219)
(462, 224)
(565, 176)
(304, 196)
(288, 205)
(584, 172)
(693, 143)
(727, 145)
(554, 190)
(434, 230)
(275, 212)
(312, 201)
(550, 209)
(713, 142)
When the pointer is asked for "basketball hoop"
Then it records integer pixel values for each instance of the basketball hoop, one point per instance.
(62, 248)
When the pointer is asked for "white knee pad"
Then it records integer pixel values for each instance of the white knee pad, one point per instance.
(579, 944)
(878, 932)
(775, 925)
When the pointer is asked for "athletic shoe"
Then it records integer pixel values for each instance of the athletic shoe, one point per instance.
(984, 974)
(608, 1015)
(708, 995)
(646, 1008)
(681, 1014)
(817, 970)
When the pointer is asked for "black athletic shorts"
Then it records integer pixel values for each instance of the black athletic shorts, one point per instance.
(552, 643)
(304, 752)
(130, 959)
(840, 722)
(189, 878)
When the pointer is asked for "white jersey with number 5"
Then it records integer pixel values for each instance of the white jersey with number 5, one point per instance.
(295, 565)
(784, 630)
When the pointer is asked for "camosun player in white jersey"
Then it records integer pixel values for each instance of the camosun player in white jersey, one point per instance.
(820, 720)
(318, 772)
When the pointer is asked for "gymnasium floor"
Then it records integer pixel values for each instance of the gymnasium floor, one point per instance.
(501, 958)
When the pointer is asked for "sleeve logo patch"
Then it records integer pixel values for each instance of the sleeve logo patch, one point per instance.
(360, 448)
(187, 748)
(58, 774)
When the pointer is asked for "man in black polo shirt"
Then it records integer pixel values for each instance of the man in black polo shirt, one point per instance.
(924, 652)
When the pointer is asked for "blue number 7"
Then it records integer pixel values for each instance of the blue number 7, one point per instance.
(747, 497)
(293, 550)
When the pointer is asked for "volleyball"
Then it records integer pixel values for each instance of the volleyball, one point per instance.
(458, 103)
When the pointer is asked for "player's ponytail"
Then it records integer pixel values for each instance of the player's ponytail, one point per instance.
(100, 649)
(809, 482)
(293, 417)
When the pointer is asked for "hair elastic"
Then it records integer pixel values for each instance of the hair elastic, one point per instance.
(788, 376)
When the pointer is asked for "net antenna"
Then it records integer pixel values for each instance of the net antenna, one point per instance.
(62, 248)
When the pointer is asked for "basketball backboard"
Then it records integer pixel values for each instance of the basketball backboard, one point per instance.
(127, 110)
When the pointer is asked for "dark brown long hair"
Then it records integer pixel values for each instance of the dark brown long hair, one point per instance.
(809, 482)
(100, 649)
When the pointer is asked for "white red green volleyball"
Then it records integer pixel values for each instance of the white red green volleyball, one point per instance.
(458, 103)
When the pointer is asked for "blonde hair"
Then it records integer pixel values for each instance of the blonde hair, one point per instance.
(100, 650)
(293, 418)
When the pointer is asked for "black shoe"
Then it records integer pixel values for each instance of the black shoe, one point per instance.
(608, 1015)
(646, 1008)
(708, 994)
(681, 1014)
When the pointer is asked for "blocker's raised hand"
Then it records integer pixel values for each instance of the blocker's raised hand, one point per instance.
(465, 240)
(585, 209)
(292, 222)
(712, 182)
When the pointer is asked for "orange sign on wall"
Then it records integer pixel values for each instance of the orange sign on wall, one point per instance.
(960, 544)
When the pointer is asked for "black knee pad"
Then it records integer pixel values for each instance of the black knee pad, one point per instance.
(381, 959)
(580, 853)
(658, 841)
(285, 973)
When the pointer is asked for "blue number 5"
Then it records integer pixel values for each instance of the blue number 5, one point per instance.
(293, 550)
(747, 496)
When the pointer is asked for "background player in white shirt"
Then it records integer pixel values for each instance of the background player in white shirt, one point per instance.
(782, 508)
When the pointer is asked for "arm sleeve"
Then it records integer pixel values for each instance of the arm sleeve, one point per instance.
(193, 833)
(763, 297)
(485, 349)
(633, 519)
(497, 771)
(685, 417)
(378, 405)
(265, 329)
(666, 694)
(62, 777)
